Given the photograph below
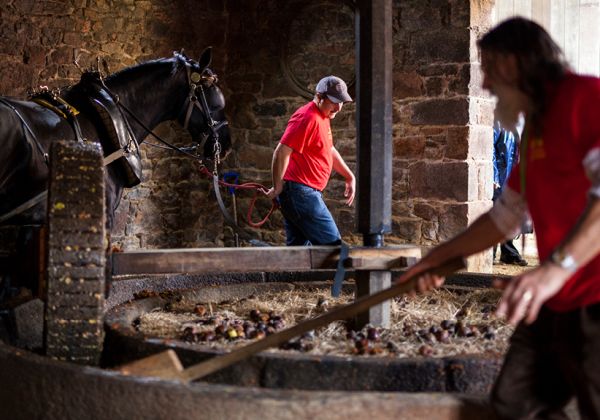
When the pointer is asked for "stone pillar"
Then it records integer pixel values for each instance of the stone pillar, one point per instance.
(442, 123)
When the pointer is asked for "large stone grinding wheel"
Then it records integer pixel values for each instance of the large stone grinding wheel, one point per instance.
(76, 253)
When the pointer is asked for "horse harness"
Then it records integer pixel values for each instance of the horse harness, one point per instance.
(26, 129)
(123, 146)
(50, 99)
(67, 112)
(192, 101)
(195, 82)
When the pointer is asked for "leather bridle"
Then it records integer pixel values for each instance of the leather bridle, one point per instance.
(197, 99)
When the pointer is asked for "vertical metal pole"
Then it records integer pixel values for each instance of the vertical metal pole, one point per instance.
(236, 235)
(374, 151)
(233, 178)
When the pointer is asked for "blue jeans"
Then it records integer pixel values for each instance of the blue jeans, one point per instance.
(307, 219)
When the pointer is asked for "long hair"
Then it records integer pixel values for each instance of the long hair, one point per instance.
(540, 60)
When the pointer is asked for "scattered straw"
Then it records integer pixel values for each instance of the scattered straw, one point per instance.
(408, 316)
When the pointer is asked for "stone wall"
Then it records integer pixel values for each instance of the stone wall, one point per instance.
(38, 42)
(442, 122)
(442, 136)
(269, 54)
(275, 58)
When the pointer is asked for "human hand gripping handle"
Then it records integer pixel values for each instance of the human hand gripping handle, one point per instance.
(524, 295)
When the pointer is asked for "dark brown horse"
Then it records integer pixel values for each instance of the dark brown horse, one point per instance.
(175, 88)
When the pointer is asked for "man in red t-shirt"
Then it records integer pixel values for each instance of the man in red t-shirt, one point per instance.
(555, 351)
(302, 164)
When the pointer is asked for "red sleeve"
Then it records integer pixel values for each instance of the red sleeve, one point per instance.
(298, 131)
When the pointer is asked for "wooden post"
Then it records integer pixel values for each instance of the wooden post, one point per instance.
(369, 282)
(374, 151)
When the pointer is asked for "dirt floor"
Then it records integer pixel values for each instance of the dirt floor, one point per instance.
(527, 247)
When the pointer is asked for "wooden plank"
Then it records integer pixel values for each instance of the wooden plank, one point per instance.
(165, 365)
(366, 258)
(369, 264)
(572, 33)
(522, 8)
(589, 33)
(557, 22)
(504, 10)
(547, 10)
(268, 259)
(540, 12)
(212, 260)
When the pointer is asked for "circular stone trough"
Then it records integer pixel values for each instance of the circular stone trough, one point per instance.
(34, 386)
(467, 374)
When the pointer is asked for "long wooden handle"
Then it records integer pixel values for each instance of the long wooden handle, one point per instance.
(359, 305)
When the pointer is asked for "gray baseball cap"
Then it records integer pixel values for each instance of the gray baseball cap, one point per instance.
(334, 88)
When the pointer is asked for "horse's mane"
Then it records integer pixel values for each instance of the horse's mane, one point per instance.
(137, 70)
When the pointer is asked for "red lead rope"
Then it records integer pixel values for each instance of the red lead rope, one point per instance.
(246, 186)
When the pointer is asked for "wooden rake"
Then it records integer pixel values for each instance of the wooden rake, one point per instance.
(166, 365)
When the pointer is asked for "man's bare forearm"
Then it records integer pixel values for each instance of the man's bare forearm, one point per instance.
(340, 166)
(279, 164)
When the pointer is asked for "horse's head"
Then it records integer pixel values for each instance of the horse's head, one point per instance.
(203, 114)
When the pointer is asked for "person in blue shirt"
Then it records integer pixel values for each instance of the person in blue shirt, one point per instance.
(506, 154)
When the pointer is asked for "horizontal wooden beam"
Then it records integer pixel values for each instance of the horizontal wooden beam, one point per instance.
(260, 259)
